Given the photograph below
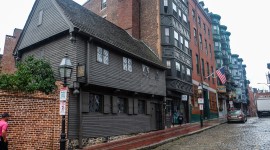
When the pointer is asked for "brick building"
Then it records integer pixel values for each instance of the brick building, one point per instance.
(203, 60)
(163, 25)
(8, 61)
(252, 109)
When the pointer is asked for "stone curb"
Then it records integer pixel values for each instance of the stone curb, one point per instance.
(155, 145)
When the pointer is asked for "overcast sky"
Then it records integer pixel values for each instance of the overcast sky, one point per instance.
(247, 21)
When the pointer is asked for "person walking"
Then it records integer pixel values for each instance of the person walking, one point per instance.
(3, 131)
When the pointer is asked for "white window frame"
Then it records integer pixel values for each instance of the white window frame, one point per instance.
(168, 63)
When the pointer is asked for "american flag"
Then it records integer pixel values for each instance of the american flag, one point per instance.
(221, 75)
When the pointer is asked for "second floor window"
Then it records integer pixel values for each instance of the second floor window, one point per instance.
(203, 72)
(199, 21)
(193, 15)
(146, 71)
(103, 4)
(185, 18)
(102, 55)
(127, 64)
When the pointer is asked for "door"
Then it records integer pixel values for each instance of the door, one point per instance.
(153, 121)
(206, 108)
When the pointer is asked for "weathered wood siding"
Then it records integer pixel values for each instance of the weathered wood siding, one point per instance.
(52, 23)
(114, 76)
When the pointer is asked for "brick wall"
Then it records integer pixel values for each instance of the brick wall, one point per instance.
(35, 123)
(8, 62)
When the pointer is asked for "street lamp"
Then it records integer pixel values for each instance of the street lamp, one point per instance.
(200, 92)
(65, 71)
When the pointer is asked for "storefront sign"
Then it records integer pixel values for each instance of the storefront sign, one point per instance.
(221, 89)
(184, 97)
(200, 100)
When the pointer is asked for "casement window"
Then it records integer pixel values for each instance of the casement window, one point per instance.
(178, 69)
(176, 39)
(141, 107)
(185, 18)
(167, 35)
(165, 6)
(122, 105)
(102, 56)
(40, 17)
(103, 4)
(197, 64)
(127, 64)
(203, 71)
(208, 70)
(213, 79)
(95, 103)
(146, 70)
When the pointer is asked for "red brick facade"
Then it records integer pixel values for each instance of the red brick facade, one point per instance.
(203, 50)
(8, 61)
(252, 110)
(140, 18)
(35, 122)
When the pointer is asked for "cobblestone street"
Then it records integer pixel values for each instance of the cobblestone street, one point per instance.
(253, 135)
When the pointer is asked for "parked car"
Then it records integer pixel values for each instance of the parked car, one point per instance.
(236, 116)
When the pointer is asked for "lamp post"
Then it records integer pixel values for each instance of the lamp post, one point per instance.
(65, 71)
(200, 100)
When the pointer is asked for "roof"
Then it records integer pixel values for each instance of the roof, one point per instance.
(90, 23)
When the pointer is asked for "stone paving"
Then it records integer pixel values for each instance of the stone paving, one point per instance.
(252, 135)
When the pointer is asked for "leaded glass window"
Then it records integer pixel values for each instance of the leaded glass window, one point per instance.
(95, 103)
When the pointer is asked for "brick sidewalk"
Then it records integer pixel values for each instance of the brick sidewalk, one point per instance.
(156, 138)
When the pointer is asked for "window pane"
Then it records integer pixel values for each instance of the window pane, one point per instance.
(124, 63)
(184, 17)
(186, 44)
(99, 54)
(168, 64)
(121, 103)
(181, 39)
(129, 65)
(95, 103)
(141, 107)
(188, 71)
(106, 57)
(174, 7)
(165, 2)
(167, 31)
(177, 66)
(175, 35)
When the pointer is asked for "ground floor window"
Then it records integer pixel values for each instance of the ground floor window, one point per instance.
(141, 107)
(122, 105)
(95, 103)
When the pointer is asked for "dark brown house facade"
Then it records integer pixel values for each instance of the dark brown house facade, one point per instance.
(123, 88)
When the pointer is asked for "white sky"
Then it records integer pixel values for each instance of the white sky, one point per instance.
(248, 23)
(246, 20)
